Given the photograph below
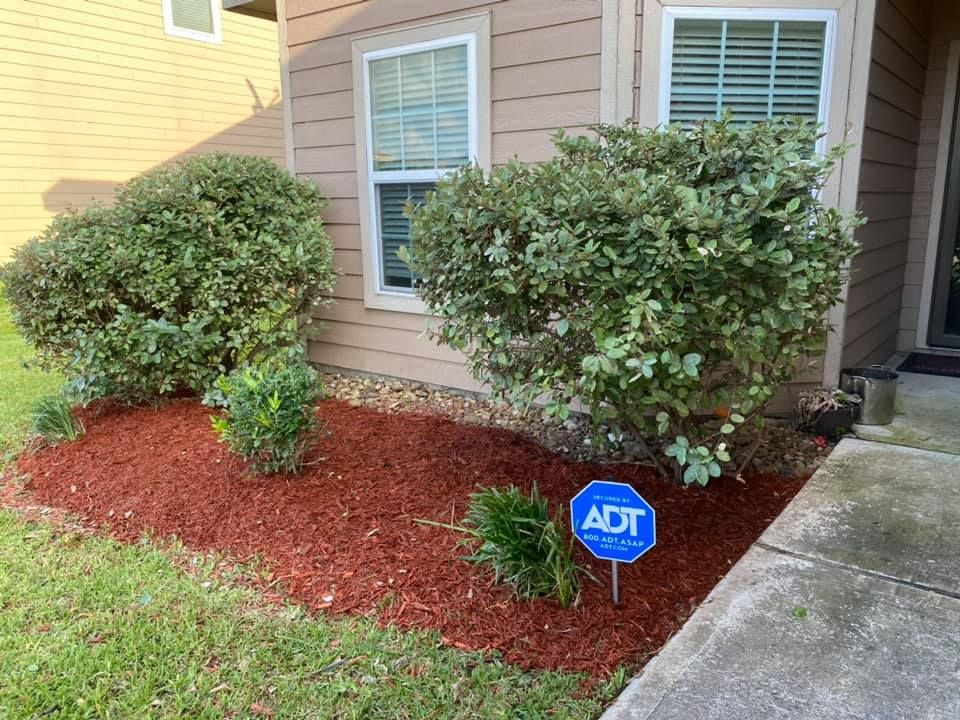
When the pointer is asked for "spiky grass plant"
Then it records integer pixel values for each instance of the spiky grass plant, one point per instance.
(53, 418)
(523, 544)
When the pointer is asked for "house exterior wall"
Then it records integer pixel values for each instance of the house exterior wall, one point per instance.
(94, 93)
(549, 69)
(889, 176)
(545, 74)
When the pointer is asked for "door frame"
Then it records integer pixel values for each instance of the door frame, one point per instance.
(950, 141)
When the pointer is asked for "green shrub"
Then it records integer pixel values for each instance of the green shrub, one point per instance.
(270, 414)
(53, 418)
(650, 273)
(524, 546)
(197, 267)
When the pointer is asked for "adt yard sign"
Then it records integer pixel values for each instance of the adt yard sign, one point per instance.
(614, 523)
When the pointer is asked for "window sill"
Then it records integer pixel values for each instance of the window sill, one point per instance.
(395, 302)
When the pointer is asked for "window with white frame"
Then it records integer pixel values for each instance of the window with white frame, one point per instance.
(755, 64)
(192, 19)
(421, 124)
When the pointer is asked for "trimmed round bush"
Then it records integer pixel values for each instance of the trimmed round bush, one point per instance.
(197, 267)
(671, 279)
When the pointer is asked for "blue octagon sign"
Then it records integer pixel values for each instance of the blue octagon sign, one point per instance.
(613, 521)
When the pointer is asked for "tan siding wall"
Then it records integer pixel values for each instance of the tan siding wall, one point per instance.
(545, 74)
(945, 28)
(94, 92)
(892, 135)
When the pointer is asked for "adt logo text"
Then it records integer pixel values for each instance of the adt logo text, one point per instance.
(603, 519)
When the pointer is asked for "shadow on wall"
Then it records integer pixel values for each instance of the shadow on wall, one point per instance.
(259, 134)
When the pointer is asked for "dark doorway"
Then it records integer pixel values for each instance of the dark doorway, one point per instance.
(945, 308)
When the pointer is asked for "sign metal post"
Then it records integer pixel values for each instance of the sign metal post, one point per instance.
(616, 582)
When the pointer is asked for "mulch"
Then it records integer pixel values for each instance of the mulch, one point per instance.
(342, 537)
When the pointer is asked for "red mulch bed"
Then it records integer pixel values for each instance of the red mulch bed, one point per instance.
(346, 527)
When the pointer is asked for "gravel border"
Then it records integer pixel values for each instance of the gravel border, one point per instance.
(784, 451)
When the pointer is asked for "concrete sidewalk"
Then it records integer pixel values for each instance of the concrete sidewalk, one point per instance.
(847, 607)
(928, 415)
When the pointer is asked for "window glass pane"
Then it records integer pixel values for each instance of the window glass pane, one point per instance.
(756, 69)
(419, 106)
(452, 147)
(394, 230)
(194, 15)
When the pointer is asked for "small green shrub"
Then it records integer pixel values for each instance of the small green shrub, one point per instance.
(669, 279)
(198, 267)
(53, 418)
(269, 414)
(524, 546)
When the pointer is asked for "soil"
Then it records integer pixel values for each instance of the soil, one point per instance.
(342, 537)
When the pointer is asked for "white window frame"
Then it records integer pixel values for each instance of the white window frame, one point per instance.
(216, 37)
(378, 177)
(474, 33)
(672, 14)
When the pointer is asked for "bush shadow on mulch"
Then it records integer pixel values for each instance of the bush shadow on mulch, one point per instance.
(343, 539)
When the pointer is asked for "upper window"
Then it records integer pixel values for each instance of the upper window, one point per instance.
(755, 64)
(421, 124)
(192, 19)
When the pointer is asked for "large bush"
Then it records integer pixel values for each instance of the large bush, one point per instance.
(196, 267)
(654, 274)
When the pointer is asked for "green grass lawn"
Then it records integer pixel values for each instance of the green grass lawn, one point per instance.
(20, 386)
(91, 628)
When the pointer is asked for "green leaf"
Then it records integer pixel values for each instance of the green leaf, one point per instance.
(696, 474)
(562, 327)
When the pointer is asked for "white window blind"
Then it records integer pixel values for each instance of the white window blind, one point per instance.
(420, 127)
(394, 229)
(419, 110)
(756, 69)
(194, 15)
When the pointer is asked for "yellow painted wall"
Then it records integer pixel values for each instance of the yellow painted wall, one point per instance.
(93, 92)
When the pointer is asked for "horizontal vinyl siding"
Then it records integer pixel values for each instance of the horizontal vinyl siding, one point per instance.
(545, 74)
(94, 93)
(892, 135)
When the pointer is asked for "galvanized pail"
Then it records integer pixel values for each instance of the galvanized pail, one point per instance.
(877, 385)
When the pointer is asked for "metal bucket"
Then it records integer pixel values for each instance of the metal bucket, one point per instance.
(877, 385)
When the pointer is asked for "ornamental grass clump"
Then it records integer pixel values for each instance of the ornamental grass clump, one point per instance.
(524, 546)
(197, 267)
(670, 279)
(54, 420)
(269, 415)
